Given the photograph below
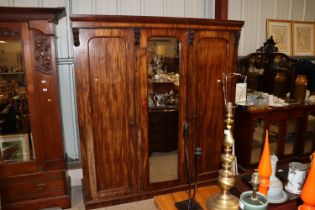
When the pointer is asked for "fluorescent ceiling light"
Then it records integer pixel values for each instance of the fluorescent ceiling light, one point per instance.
(2, 42)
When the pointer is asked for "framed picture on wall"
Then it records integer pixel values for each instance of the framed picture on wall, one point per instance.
(280, 30)
(14, 148)
(303, 38)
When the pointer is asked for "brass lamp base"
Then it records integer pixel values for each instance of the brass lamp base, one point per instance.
(223, 202)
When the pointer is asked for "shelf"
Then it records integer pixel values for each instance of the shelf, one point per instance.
(163, 109)
(11, 73)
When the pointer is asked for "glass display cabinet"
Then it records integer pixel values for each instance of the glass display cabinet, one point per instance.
(32, 159)
(16, 141)
(291, 134)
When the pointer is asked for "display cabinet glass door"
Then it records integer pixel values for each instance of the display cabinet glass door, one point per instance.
(15, 134)
(258, 140)
(274, 132)
(290, 136)
(309, 134)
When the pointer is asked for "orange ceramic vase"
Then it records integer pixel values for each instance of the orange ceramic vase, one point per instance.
(308, 190)
(264, 168)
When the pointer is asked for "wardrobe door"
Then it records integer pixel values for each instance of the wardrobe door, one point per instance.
(163, 107)
(210, 55)
(104, 63)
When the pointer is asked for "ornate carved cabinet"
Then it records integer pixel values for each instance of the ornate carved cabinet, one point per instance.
(32, 162)
(130, 67)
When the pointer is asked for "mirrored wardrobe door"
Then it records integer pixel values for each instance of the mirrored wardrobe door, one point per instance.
(15, 133)
(163, 108)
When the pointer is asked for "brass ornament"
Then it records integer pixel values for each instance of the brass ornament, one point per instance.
(226, 180)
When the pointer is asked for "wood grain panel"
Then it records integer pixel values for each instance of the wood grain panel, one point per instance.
(109, 141)
(210, 100)
(211, 56)
(46, 101)
(109, 110)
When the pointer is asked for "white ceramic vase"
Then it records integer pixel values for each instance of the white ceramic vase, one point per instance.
(275, 192)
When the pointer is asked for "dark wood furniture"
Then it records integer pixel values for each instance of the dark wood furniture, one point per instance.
(262, 66)
(34, 175)
(111, 69)
(291, 133)
(163, 132)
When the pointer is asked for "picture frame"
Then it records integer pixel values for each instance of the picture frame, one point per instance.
(280, 30)
(15, 147)
(303, 38)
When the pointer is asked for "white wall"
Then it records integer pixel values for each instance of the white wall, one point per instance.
(255, 13)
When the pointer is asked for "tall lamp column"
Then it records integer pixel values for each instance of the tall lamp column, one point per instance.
(224, 200)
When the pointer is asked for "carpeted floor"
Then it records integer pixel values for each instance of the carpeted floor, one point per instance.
(163, 166)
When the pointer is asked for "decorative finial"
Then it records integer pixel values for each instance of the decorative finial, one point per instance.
(264, 168)
(255, 181)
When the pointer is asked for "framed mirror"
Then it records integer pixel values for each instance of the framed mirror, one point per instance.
(15, 134)
(163, 108)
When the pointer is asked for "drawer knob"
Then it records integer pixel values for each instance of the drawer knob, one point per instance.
(41, 186)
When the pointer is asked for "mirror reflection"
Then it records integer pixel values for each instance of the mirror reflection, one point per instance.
(258, 140)
(15, 135)
(309, 134)
(290, 136)
(163, 105)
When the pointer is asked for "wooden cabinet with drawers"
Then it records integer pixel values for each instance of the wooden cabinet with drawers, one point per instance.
(32, 159)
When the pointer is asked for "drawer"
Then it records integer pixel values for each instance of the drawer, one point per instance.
(33, 186)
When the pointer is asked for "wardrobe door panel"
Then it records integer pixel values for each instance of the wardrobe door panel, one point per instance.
(212, 58)
(109, 146)
(109, 111)
(45, 96)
